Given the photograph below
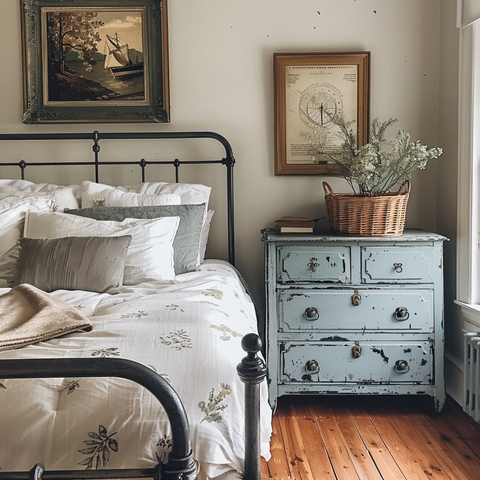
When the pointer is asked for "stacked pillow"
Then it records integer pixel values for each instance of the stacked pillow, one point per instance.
(99, 195)
(190, 193)
(17, 197)
(130, 235)
(149, 257)
(74, 263)
(157, 194)
(61, 197)
(186, 243)
(12, 217)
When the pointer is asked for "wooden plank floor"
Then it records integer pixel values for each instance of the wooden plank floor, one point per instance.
(371, 438)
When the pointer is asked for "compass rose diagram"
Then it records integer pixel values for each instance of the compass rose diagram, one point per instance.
(319, 105)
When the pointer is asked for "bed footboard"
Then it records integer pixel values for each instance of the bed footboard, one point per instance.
(252, 370)
(181, 465)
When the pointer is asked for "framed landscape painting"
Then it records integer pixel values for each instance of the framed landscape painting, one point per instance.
(95, 61)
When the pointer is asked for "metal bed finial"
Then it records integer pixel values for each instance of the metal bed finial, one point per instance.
(252, 371)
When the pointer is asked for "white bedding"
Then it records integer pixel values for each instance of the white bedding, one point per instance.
(189, 331)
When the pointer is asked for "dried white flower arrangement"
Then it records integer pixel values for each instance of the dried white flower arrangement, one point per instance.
(373, 169)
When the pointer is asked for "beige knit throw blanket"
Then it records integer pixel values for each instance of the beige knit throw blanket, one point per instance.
(29, 315)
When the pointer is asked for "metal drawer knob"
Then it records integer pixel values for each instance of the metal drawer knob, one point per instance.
(356, 299)
(312, 366)
(313, 264)
(401, 314)
(311, 314)
(398, 267)
(356, 351)
(401, 366)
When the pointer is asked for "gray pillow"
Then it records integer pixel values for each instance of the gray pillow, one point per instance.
(94, 264)
(186, 244)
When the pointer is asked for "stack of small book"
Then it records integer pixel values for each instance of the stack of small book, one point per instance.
(296, 224)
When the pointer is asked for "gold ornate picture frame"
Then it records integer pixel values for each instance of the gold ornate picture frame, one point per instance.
(310, 90)
(95, 61)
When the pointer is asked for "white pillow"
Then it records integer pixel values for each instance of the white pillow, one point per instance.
(149, 256)
(12, 216)
(63, 196)
(189, 192)
(100, 195)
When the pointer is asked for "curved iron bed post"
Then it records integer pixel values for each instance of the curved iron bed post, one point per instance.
(252, 370)
(229, 162)
(180, 462)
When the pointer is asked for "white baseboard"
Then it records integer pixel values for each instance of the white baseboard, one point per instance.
(454, 377)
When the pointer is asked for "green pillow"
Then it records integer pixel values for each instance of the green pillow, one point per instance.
(94, 264)
(186, 244)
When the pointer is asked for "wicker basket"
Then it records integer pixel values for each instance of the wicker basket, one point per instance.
(381, 216)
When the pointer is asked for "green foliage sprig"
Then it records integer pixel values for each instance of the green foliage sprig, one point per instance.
(376, 167)
(215, 405)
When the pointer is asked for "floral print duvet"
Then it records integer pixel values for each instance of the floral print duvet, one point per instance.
(189, 332)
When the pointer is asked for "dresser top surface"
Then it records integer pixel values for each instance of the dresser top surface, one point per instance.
(409, 235)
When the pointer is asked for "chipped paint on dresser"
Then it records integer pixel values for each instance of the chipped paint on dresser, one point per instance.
(354, 315)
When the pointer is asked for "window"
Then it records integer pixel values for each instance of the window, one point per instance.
(468, 237)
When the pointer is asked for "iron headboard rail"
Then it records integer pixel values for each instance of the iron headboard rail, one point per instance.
(228, 160)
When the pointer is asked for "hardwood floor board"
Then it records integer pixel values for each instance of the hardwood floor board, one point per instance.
(315, 450)
(378, 450)
(403, 452)
(447, 456)
(277, 467)
(461, 439)
(299, 458)
(264, 472)
(463, 426)
(408, 427)
(354, 437)
(334, 443)
(309, 441)
(292, 449)
(360, 456)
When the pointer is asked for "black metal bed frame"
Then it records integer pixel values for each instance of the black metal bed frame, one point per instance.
(228, 160)
(251, 369)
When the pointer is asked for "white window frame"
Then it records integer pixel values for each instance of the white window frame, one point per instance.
(468, 266)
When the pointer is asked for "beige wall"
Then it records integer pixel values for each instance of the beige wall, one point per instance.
(222, 80)
(447, 194)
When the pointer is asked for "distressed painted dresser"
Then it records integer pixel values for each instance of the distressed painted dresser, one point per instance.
(354, 315)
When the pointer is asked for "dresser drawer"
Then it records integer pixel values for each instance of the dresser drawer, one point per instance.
(408, 264)
(307, 264)
(336, 362)
(354, 315)
(352, 309)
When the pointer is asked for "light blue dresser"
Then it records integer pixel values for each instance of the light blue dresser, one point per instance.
(354, 315)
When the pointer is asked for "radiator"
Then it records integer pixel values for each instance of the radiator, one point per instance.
(471, 398)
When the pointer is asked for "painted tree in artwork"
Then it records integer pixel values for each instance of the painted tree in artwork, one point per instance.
(72, 31)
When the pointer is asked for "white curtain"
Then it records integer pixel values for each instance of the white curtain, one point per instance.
(468, 12)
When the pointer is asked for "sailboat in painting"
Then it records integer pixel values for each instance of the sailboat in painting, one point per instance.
(117, 59)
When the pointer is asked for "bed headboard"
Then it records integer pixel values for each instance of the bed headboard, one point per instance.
(96, 137)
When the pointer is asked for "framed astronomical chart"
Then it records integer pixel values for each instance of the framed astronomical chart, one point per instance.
(311, 90)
